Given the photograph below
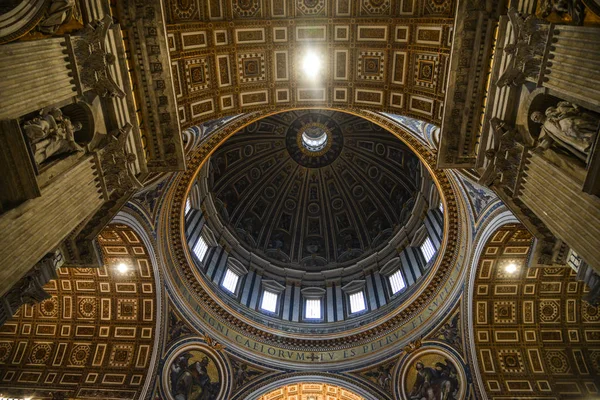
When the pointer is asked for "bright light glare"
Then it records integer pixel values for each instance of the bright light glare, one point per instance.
(311, 65)
(122, 268)
(511, 268)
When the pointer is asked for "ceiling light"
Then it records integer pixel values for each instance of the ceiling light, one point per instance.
(511, 268)
(311, 64)
(122, 268)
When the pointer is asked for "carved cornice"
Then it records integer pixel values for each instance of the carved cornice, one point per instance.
(467, 82)
(150, 70)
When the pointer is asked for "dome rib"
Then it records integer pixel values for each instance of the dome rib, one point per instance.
(307, 209)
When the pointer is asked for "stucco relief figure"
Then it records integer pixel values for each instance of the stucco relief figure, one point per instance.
(568, 127)
(500, 156)
(117, 163)
(60, 12)
(51, 134)
(526, 49)
(193, 376)
(574, 8)
(438, 382)
(94, 60)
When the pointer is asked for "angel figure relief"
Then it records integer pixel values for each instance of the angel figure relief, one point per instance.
(525, 50)
(94, 60)
(117, 162)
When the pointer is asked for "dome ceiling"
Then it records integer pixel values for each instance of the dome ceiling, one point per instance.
(314, 188)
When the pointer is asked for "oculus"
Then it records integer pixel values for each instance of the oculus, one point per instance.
(314, 137)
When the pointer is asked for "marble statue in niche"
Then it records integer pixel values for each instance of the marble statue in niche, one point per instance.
(568, 127)
(194, 376)
(51, 134)
(433, 378)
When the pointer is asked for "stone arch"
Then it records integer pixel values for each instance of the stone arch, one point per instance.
(259, 392)
(21, 19)
(502, 218)
(127, 217)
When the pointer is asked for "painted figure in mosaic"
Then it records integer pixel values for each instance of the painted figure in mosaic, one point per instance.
(567, 126)
(192, 381)
(435, 383)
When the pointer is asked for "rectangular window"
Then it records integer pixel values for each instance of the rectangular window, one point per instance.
(269, 301)
(313, 309)
(357, 302)
(427, 249)
(188, 206)
(200, 248)
(230, 281)
(441, 207)
(397, 282)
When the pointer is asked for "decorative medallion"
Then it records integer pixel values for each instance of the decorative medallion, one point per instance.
(433, 374)
(40, 353)
(49, 307)
(195, 371)
(246, 8)
(310, 7)
(314, 140)
(184, 9)
(511, 361)
(87, 307)
(589, 312)
(549, 310)
(80, 354)
(5, 349)
(557, 361)
(375, 7)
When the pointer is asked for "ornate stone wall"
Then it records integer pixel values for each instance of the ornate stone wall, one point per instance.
(94, 337)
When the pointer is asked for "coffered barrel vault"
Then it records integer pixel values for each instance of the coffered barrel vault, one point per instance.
(94, 336)
(534, 336)
(246, 55)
